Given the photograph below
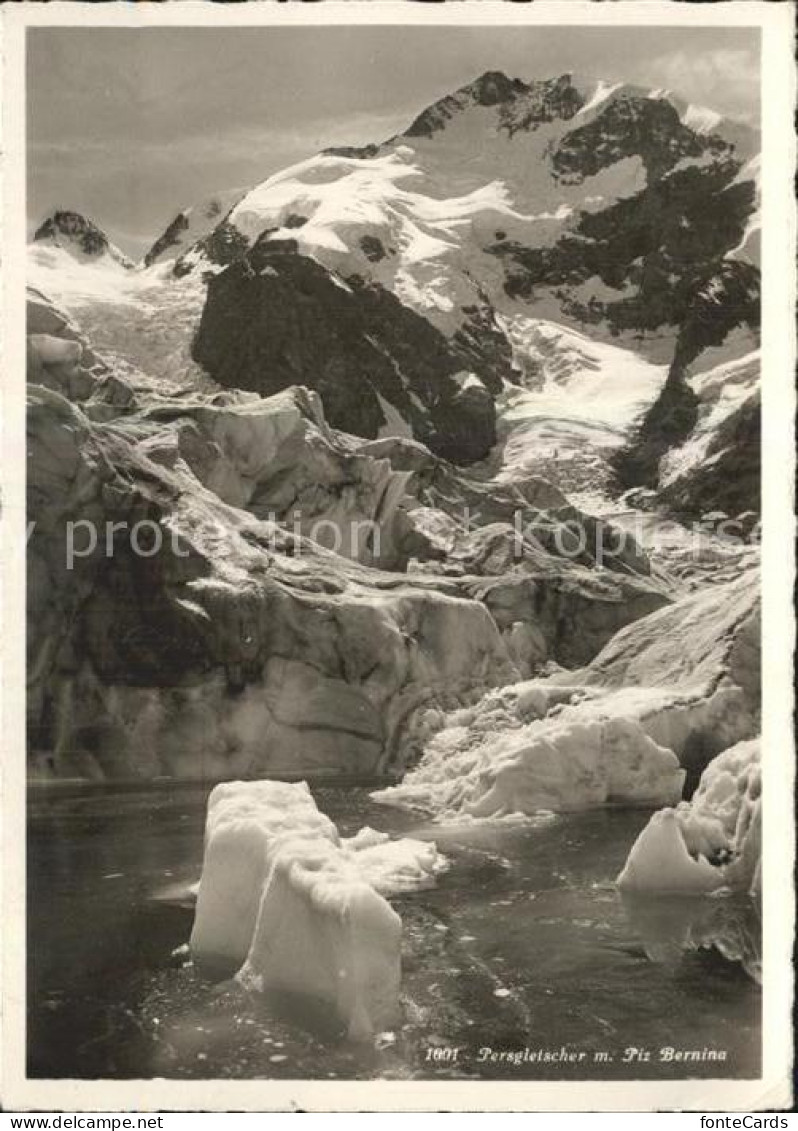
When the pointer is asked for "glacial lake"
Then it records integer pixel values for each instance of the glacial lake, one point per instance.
(524, 950)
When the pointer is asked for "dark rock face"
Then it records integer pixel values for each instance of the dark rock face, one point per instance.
(481, 342)
(522, 106)
(372, 248)
(491, 89)
(665, 245)
(358, 152)
(72, 228)
(494, 87)
(728, 297)
(275, 319)
(649, 128)
(540, 102)
(667, 424)
(170, 238)
(225, 244)
(729, 479)
(91, 240)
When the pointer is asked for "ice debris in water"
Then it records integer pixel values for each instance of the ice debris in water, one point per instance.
(300, 909)
(710, 842)
(585, 756)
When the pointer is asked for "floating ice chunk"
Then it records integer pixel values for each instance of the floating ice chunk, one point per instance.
(245, 824)
(659, 861)
(299, 909)
(710, 842)
(325, 933)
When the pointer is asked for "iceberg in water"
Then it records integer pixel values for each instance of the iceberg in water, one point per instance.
(326, 933)
(710, 842)
(301, 910)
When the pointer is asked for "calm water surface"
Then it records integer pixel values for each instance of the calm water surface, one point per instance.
(523, 944)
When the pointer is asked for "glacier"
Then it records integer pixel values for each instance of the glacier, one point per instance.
(332, 395)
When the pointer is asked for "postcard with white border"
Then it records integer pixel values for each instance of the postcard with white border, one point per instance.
(398, 556)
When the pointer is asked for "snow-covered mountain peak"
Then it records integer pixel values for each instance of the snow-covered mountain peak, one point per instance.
(501, 160)
(81, 238)
(493, 87)
(615, 212)
(518, 105)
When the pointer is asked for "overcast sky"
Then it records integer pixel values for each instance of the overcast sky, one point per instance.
(128, 126)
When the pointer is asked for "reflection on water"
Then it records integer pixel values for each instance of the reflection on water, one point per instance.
(669, 927)
(524, 949)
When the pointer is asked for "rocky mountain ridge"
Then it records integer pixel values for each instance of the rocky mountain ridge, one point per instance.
(276, 318)
(644, 236)
(80, 237)
(190, 226)
(611, 208)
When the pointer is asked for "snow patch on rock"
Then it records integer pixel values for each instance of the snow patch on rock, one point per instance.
(602, 92)
(701, 119)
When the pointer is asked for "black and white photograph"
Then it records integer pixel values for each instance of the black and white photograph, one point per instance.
(395, 502)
